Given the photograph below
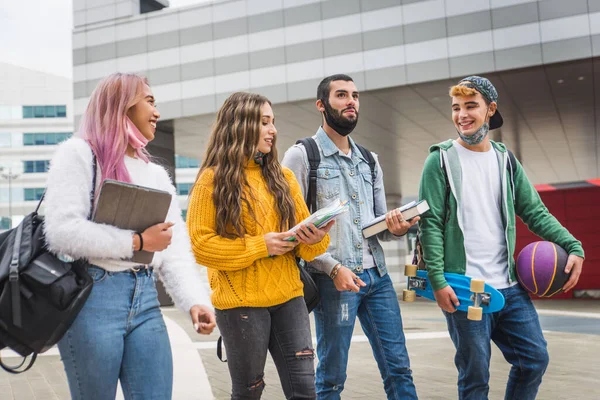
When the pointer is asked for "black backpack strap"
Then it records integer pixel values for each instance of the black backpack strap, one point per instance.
(372, 164)
(314, 159)
(15, 369)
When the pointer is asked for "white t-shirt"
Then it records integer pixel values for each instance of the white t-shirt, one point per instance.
(481, 207)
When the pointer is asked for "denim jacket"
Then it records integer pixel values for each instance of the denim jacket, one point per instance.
(346, 178)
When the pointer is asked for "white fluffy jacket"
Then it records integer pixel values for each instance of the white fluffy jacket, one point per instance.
(69, 232)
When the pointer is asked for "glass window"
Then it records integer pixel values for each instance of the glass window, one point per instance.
(35, 166)
(51, 138)
(61, 137)
(39, 139)
(186, 162)
(4, 223)
(184, 214)
(61, 111)
(50, 111)
(28, 139)
(38, 111)
(33, 194)
(28, 167)
(27, 112)
(183, 189)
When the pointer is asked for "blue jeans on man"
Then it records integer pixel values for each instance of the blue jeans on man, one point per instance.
(516, 331)
(376, 306)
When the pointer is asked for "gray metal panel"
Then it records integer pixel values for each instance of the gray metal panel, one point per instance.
(80, 90)
(550, 9)
(196, 34)
(381, 38)
(230, 64)
(370, 5)
(79, 56)
(385, 77)
(339, 8)
(198, 105)
(428, 71)
(267, 58)
(231, 28)
(596, 45)
(303, 90)
(304, 51)
(169, 109)
(411, 1)
(342, 45)
(165, 75)
(525, 56)
(161, 41)
(266, 21)
(474, 22)
(132, 47)
(101, 52)
(196, 70)
(91, 86)
(593, 6)
(565, 50)
(275, 93)
(515, 15)
(422, 31)
(472, 64)
(302, 14)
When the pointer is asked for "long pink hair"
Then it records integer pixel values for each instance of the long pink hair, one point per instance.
(103, 124)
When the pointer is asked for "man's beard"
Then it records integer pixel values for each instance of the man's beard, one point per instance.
(337, 121)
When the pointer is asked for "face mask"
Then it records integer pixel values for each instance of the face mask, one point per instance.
(334, 119)
(136, 139)
(259, 158)
(476, 137)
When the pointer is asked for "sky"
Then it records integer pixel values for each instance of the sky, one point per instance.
(36, 34)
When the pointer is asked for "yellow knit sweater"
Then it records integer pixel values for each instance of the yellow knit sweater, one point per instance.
(240, 271)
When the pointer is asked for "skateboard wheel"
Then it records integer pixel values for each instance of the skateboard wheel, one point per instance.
(410, 270)
(474, 313)
(477, 285)
(408, 295)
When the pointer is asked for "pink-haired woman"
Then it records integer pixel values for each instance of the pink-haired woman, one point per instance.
(120, 333)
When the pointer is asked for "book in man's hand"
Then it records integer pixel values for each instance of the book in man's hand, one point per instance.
(322, 217)
(132, 207)
(409, 211)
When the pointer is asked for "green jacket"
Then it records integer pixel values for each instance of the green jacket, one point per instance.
(441, 229)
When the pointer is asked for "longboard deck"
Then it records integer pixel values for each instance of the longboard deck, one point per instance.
(462, 287)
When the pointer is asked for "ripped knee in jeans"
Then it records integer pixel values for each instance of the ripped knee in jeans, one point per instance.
(258, 384)
(305, 354)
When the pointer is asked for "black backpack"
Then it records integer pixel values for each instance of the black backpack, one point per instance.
(314, 159)
(40, 293)
(510, 166)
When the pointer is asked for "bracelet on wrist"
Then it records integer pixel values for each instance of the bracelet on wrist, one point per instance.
(141, 241)
(335, 271)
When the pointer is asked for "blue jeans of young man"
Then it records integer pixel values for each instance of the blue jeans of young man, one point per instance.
(516, 331)
(119, 334)
(376, 306)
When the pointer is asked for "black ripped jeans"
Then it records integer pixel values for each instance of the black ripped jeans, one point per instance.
(283, 330)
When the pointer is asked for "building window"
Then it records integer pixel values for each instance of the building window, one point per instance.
(184, 214)
(37, 166)
(32, 194)
(186, 162)
(43, 139)
(183, 189)
(4, 223)
(56, 111)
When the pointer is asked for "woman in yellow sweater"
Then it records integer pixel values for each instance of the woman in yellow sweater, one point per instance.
(241, 209)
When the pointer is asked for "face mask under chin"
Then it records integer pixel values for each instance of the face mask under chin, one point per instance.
(477, 137)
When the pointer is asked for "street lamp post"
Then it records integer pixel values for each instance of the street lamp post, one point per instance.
(9, 176)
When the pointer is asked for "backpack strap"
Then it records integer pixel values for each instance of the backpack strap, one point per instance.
(372, 164)
(314, 159)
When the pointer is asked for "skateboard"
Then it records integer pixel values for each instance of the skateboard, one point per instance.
(475, 296)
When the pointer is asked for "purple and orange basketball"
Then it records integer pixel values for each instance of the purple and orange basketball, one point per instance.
(541, 268)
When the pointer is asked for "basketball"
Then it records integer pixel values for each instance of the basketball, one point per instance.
(541, 268)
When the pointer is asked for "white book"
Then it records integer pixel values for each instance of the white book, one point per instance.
(321, 217)
(409, 211)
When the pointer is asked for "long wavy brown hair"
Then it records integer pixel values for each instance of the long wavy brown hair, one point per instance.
(232, 143)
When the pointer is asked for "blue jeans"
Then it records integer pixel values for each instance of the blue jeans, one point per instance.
(516, 331)
(119, 334)
(376, 306)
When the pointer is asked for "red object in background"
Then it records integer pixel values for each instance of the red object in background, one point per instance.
(576, 206)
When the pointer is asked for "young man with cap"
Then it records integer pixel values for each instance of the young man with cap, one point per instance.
(351, 276)
(474, 192)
